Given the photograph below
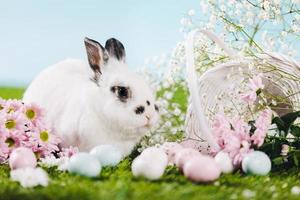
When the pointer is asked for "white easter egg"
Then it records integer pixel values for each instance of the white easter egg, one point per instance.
(107, 155)
(142, 167)
(151, 164)
(156, 154)
(84, 164)
(224, 162)
(257, 163)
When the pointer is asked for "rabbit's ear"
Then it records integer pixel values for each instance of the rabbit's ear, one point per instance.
(115, 49)
(97, 55)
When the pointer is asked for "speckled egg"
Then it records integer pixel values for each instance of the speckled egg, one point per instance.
(171, 148)
(224, 162)
(257, 163)
(201, 169)
(107, 155)
(84, 164)
(22, 157)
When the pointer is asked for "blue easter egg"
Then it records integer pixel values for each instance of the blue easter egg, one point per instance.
(257, 163)
(84, 164)
(107, 155)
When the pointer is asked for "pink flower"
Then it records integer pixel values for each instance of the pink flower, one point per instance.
(256, 83)
(4, 151)
(15, 138)
(233, 136)
(13, 105)
(262, 124)
(236, 147)
(240, 128)
(43, 140)
(249, 97)
(33, 113)
(2, 104)
(8, 141)
(220, 126)
(68, 152)
(13, 121)
(23, 125)
(285, 150)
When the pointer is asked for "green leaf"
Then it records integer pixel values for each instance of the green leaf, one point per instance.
(284, 122)
(289, 118)
(296, 156)
(296, 160)
(280, 123)
(278, 161)
(295, 130)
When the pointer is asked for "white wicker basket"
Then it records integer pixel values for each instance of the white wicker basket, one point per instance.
(221, 78)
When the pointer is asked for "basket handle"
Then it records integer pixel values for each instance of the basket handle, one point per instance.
(204, 127)
(230, 52)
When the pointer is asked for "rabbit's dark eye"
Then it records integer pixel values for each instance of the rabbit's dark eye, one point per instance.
(122, 92)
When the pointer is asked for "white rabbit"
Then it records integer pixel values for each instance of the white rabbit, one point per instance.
(95, 102)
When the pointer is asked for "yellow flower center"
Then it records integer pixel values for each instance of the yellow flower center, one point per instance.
(44, 135)
(10, 142)
(30, 114)
(10, 110)
(37, 155)
(10, 124)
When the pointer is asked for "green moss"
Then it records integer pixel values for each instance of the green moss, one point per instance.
(118, 183)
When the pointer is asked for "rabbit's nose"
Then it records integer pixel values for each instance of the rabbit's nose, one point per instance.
(148, 117)
(139, 110)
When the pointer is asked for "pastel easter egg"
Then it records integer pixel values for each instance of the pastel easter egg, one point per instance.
(155, 153)
(171, 148)
(257, 163)
(21, 158)
(84, 164)
(184, 155)
(201, 169)
(224, 162)
(107, 155)
(147, 168)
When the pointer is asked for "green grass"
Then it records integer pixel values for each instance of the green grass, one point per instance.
(11, 93)
(118, 183)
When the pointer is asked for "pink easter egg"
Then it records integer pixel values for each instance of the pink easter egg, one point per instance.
(201, 169)
(22, 157)
(184, 155)
(171, 148)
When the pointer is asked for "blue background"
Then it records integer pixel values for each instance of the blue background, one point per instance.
(35, 34)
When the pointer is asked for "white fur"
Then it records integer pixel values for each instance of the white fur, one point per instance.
(85, 114)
